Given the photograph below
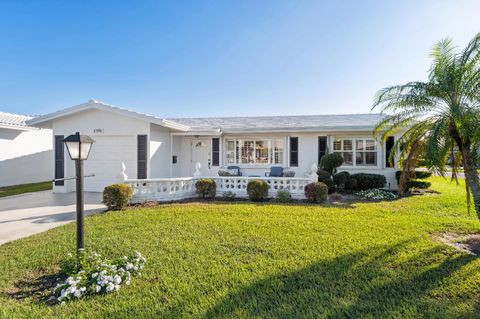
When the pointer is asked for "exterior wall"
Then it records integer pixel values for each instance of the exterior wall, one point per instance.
(160, 152)
(25, 156)
(116, 144)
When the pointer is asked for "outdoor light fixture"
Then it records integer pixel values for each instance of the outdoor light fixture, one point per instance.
(78, 147)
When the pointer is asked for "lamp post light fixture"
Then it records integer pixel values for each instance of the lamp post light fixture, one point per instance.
(78, 147)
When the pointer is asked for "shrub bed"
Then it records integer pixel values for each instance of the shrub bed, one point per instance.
(376, 194)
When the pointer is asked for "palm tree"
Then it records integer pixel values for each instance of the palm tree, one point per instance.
(443, 113)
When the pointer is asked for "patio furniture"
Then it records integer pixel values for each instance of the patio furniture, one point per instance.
(234, 171)
(275, 171)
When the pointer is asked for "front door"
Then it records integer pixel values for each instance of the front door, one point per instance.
(201, 153)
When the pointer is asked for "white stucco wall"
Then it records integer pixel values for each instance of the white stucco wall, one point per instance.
(116, 137)
(25, 156)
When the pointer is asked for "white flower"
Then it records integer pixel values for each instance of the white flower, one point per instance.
(117, 279)
(95, 275)
(127, 282)
(78, 293)
(110, 287)
(98, 288)
(129, 266)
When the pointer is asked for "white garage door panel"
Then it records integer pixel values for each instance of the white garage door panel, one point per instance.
(105, 160)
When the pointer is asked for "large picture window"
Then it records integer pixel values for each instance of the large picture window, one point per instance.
(261, 151)
(356, 151)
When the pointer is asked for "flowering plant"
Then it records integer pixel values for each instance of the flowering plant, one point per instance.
(377, 194)
(96, 275)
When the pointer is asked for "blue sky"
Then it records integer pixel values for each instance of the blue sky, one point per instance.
(214, 58)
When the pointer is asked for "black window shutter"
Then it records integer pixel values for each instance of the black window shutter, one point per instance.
(215, 151)
(294, 151)
(389, 143)
(322, 147)
(142, 156)
(59, 160)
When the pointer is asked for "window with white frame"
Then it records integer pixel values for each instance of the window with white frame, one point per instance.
(261, 151)
(356, 151)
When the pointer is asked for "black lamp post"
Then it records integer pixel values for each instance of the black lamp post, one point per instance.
(78, 147)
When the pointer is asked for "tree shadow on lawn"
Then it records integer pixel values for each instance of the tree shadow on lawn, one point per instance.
(36, 287)
(351, 286)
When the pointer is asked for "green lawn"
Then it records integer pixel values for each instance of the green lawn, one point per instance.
(369, 260)
(24, 188)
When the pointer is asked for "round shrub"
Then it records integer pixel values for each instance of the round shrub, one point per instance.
(368, 181)
(330, 162)
(351, 184)
(340, 178)
(117, 196)
(316, 192)
(283, 196)
(206, 188)
(257, 190)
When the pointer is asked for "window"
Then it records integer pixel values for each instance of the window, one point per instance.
(344, 147)
(364, 153)
(294, 151)
(259, 151)
(215, 151)
(322, 147)
(59, 157)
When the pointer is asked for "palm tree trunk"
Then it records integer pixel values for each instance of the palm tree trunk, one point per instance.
(471, 177)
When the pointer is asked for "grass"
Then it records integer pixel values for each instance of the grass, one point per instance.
(242, 260)
(24, 188)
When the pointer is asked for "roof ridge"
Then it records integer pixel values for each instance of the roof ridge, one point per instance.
(263, 116)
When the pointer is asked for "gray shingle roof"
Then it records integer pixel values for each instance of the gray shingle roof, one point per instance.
(279, 123)
(13, 120)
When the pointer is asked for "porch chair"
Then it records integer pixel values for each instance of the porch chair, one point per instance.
(275, 171)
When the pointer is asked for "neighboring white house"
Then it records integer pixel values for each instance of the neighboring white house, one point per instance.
(150, 147)
(25, 152)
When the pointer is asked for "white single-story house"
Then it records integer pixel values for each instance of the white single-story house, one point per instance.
(134, 146)
(25, 152)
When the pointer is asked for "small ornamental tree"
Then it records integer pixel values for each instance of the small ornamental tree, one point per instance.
(330, 162)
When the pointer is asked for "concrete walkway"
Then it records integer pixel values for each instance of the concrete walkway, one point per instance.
(27, 214)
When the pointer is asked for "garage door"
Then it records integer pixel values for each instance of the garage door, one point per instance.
(105, 161)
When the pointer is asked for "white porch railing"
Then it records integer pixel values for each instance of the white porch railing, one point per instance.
(168, 189)
(162, 189)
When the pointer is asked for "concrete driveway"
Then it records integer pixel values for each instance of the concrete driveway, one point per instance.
(27, 214)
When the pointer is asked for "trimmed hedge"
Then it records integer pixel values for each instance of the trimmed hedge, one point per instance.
(330, 162)
(117, 196)
(351, 184)
(418, 175)
(206, 188)
(340, 179)
(316, 192)
(418, 184)
(368, 181)
(257, 190)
